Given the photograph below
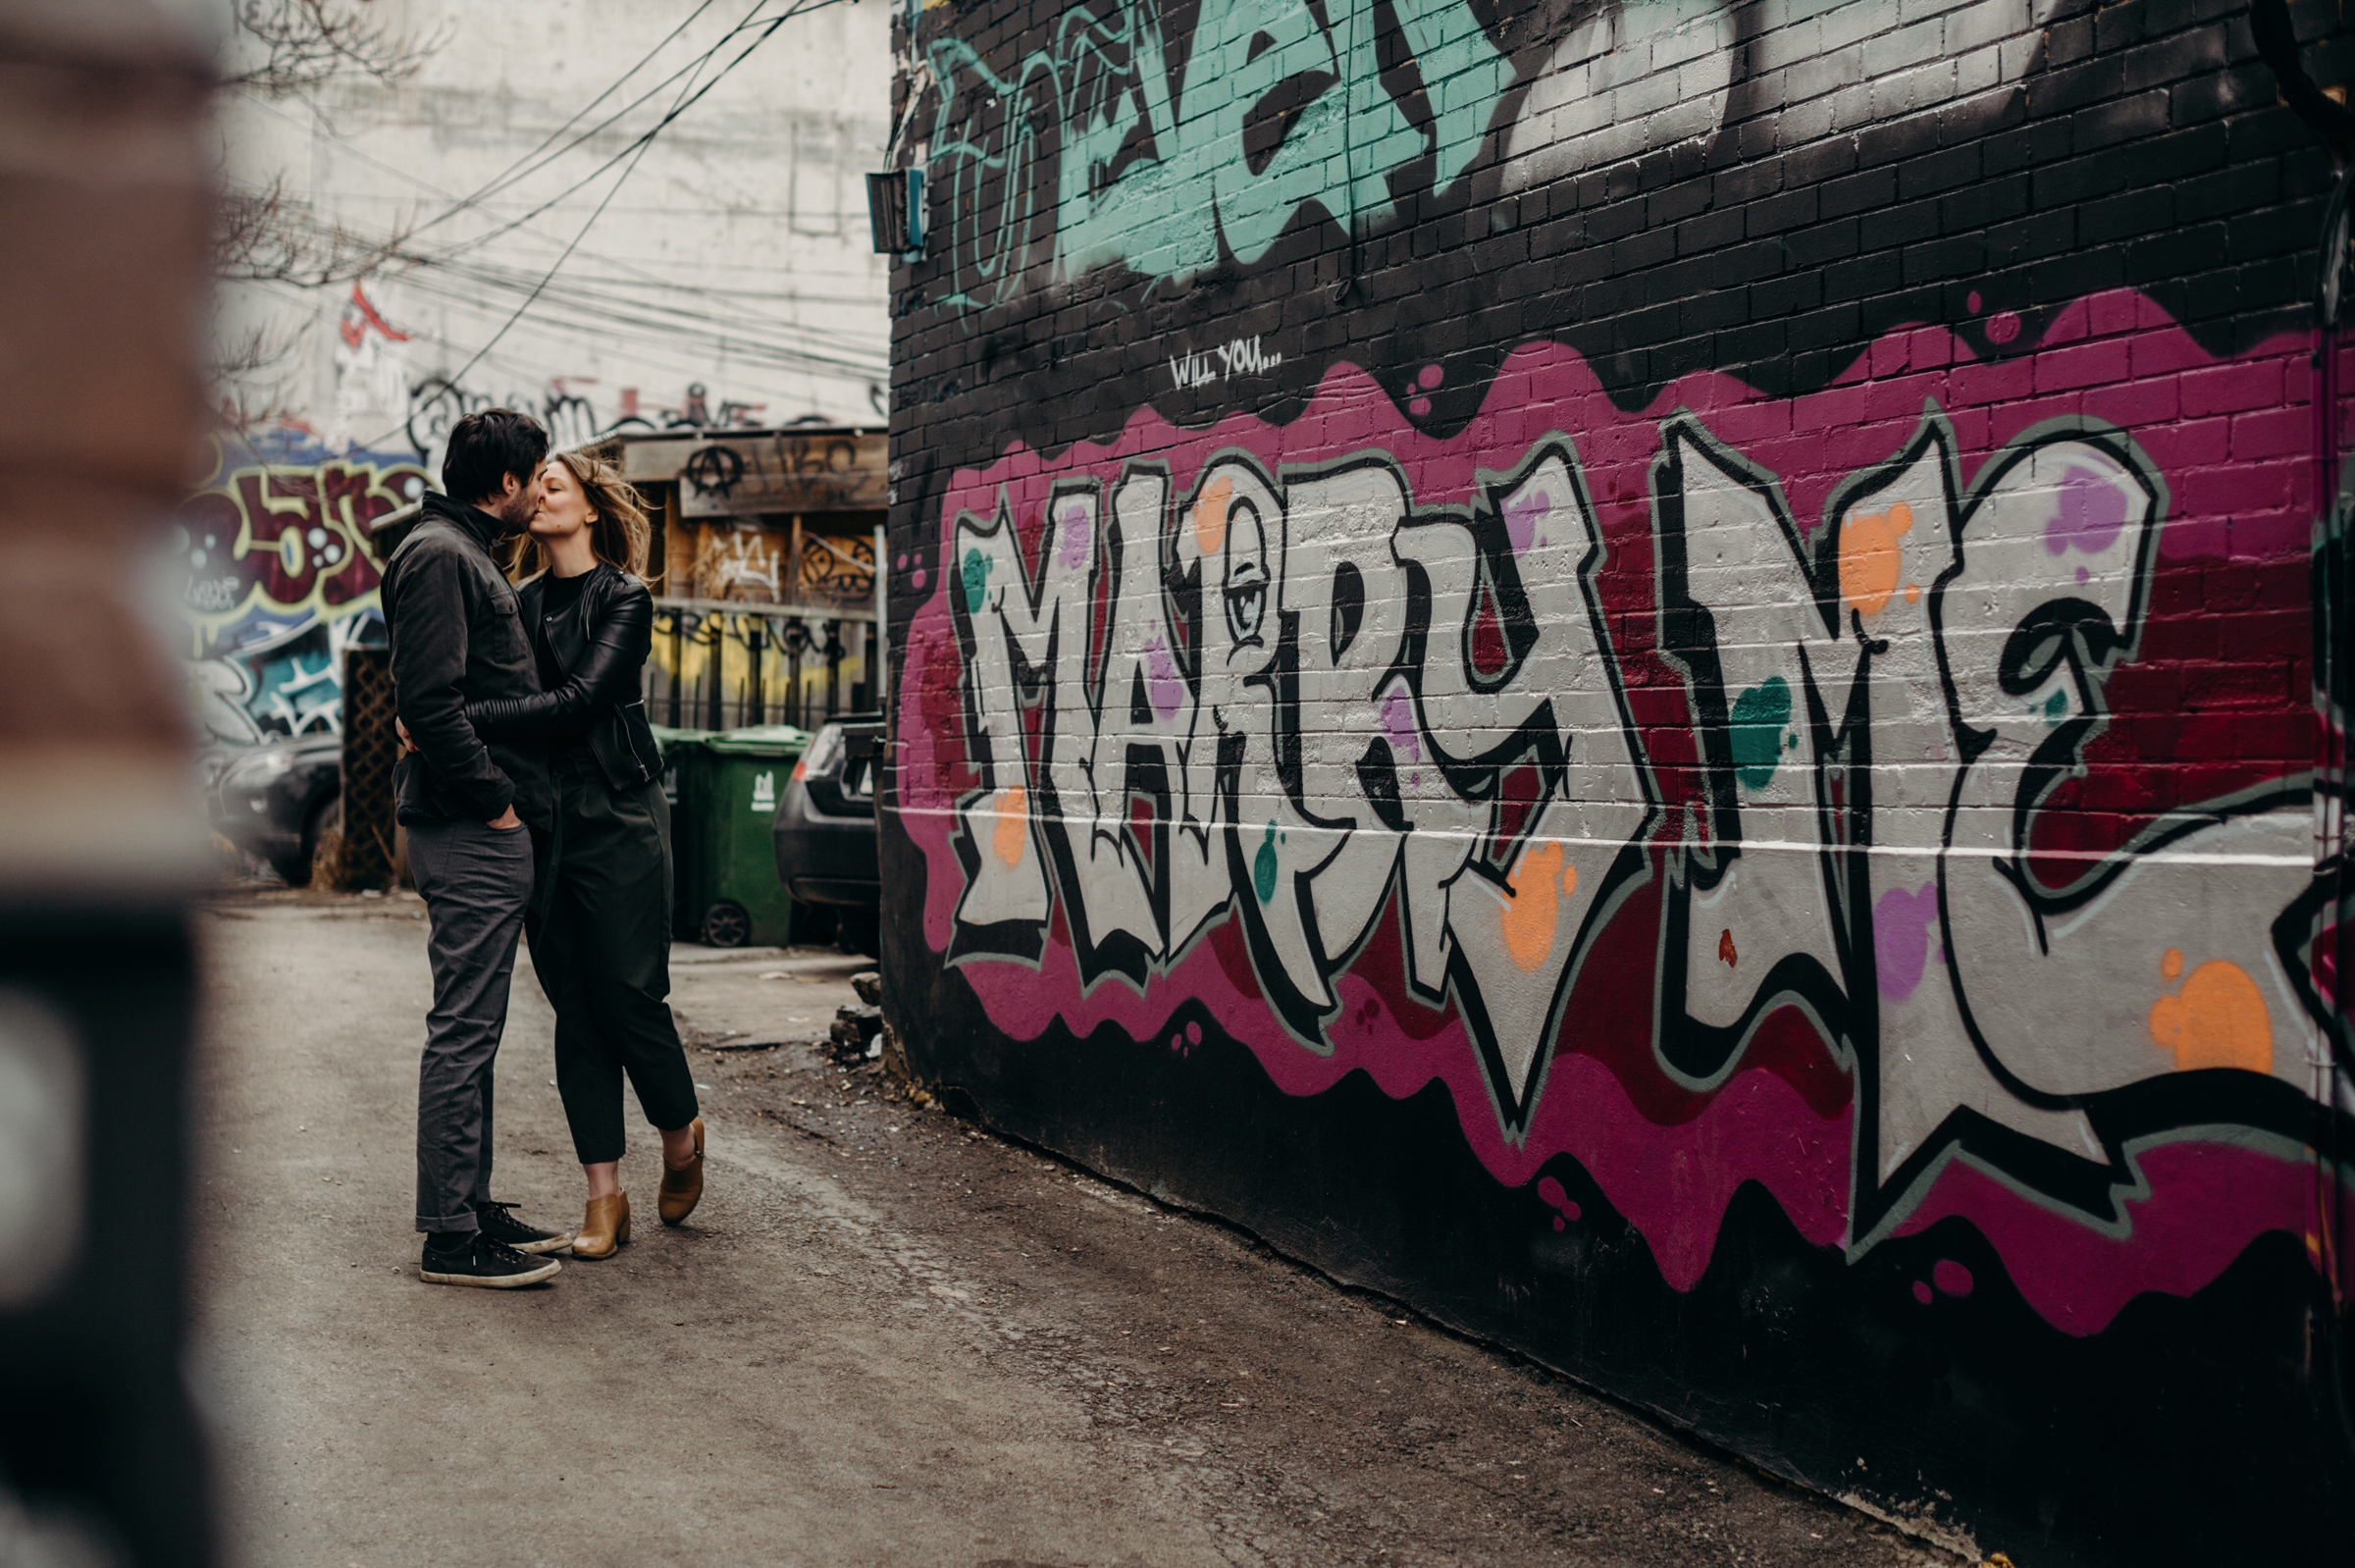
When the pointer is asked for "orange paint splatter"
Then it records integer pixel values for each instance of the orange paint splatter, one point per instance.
(2170, 964)
(1725, 948)
(1870, 558)
(1569, 880)
(1912, 593)
(1210, 515)
(1529, 917)
(1013, 834)
(2219, 1019)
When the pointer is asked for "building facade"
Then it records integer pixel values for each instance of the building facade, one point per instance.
(1646, 671)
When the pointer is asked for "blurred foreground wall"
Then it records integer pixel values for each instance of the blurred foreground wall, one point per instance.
(103, 262)
(1645, 671)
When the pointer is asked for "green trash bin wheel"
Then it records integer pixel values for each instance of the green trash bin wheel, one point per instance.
(727, 923)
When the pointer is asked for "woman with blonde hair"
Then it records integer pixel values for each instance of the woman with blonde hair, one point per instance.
(599, 923)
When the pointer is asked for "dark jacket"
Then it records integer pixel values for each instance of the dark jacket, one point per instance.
(600, 642)
(457, 637)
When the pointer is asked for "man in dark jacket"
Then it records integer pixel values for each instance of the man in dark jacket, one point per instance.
(470, 809)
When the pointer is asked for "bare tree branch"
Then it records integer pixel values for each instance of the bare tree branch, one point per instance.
(266, 236)
(305, 43)
(280, 49)
(251, 374)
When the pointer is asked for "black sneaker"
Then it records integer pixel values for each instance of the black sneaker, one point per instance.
(501, 1225)
(481, 1261)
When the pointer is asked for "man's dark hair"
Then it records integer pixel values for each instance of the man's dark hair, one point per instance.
(485, 448)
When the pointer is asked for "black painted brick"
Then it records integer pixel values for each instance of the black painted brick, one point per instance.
(2132, 212)
(1987, 203)
(1936, 172)
(1858, 192)
(2027, 148)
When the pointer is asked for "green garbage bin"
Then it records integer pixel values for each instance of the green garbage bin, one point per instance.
(727, 785)
(684, 763)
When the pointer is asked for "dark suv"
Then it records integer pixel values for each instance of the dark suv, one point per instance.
(825, 826)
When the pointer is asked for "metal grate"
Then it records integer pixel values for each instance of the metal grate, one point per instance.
(720, 666)
(364, 858)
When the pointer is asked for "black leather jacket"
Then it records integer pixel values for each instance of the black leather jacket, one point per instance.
(601, 642)
(458, 638)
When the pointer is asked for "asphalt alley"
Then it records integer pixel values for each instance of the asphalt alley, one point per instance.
(886, 1337)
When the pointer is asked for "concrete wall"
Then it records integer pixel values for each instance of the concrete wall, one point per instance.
(1643, 670)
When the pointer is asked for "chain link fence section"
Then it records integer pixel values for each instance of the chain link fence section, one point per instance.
(363, 856)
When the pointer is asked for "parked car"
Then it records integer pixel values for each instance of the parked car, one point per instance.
(277, 798)
(825, 827)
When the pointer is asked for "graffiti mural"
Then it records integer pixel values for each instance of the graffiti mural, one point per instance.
(437, 402)
(275, 578)
(1299, 93)
(1645, 672)
(1168, 154)
(1301, 704)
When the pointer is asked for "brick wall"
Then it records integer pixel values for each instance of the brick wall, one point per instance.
(1644, 670)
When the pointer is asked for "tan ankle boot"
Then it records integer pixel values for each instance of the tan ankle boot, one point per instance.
(683, 1188)
(604, 1227)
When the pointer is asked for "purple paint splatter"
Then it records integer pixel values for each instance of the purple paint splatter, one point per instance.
(1921, 1292)
(1075, 536)
(1951, 1278)
(1521, 516)
(1555, 1199)
(1901, 928)
(2003, 327)
(1429, 377)
(1194, 1036)
(1162, 685)
(1398, 723)
(918, 577)
(2089, 516)
(1418, 406)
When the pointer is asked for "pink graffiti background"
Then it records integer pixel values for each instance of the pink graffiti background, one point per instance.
(2218, 699)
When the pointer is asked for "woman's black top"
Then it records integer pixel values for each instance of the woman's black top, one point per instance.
(557, 597)
(591, 634)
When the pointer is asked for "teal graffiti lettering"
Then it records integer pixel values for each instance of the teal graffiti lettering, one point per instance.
(976, 580)
(1756, 731)
(1281, 108)
(1263, 866)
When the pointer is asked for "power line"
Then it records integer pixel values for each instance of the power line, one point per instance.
(735, 297)
(780, 341)
(643, 61)
(555, 267)
(637, 154)
(801, 9)
(515, 172)
(687, 101)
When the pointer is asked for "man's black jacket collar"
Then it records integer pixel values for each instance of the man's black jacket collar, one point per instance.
(479, 525)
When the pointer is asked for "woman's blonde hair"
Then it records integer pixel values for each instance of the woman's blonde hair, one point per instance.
(618, 532)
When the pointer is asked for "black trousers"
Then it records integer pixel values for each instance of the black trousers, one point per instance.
(599, 930)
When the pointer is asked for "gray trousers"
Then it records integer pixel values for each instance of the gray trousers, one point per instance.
(476, 882)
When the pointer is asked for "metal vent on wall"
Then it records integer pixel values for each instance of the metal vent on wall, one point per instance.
(895, 210)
